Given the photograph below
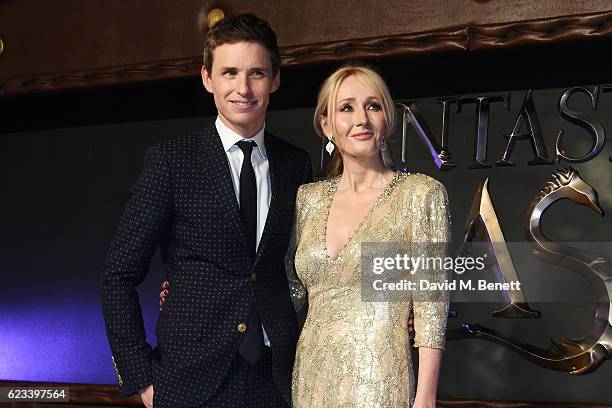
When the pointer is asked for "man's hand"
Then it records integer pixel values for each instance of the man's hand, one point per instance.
(163, 294)
(411, 326)
(147, 396)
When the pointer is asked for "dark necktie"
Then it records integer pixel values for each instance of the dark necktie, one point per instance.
(251, 346)
(248, 196)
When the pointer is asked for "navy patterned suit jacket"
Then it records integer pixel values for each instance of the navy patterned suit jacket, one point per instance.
(184, 202)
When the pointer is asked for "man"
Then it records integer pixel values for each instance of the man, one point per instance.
(220, 204)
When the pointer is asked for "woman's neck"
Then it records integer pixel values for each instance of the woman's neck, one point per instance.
(361, 175)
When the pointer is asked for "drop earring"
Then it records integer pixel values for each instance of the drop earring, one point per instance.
(385, 153)
(330, 145)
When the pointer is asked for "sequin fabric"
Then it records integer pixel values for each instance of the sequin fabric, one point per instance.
(351, 352)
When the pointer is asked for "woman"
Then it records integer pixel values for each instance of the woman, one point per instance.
(351, 352)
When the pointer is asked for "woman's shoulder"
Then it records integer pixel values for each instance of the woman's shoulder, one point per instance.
(420, 187)
(419, 182)
(310, 196)
(316, 189)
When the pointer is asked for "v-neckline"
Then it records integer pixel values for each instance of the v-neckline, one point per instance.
(333, 188)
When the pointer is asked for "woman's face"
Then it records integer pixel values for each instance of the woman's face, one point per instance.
(359, 121)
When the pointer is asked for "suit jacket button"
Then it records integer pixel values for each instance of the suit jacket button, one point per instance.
(254, 276)
(242, 327)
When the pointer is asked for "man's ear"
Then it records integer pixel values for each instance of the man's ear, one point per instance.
(276, 82)
(206, 79)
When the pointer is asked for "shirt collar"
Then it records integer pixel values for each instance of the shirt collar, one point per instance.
(229, 138)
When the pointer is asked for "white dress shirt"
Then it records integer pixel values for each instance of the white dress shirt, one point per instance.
(259, 160)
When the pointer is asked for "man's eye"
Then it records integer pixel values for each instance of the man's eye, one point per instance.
(229, 73)
(257, 74)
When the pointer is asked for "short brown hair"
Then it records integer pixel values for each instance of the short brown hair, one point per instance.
(327, 100)
(242, 27)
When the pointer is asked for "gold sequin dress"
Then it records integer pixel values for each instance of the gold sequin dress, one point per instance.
(355, 353)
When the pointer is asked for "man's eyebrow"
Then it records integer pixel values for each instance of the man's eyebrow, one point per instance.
(229, 68)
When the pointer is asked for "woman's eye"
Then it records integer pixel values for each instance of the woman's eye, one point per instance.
(346, 108)
(375, 107)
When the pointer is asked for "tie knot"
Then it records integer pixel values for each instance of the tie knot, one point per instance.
(246, 146)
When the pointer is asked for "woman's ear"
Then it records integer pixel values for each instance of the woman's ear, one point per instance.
(325, 125)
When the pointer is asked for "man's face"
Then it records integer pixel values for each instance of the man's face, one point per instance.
(241, 82)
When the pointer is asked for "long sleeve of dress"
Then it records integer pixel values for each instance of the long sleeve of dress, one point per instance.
(297, 290)
(431, 234)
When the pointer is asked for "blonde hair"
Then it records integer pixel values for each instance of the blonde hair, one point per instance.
(327, 100)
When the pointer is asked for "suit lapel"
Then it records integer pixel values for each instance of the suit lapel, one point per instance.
(216, 170)
(278, 185)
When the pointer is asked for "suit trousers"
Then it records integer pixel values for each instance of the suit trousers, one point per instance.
(248, 386)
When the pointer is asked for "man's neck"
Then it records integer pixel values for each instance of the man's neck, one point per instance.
(244, 132)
